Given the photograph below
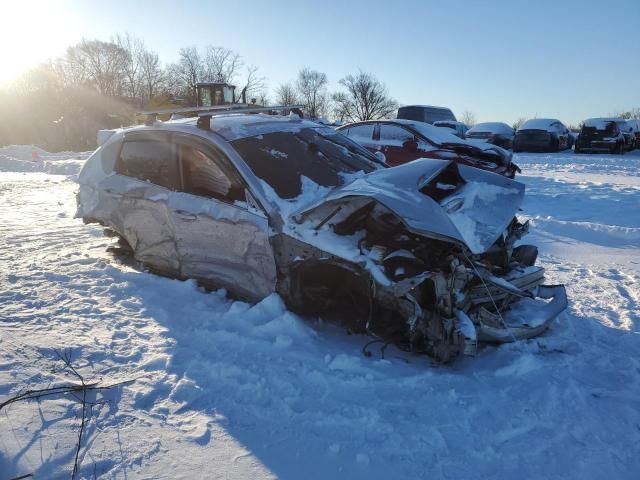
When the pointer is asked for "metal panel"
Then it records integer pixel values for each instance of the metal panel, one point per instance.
(223, 244)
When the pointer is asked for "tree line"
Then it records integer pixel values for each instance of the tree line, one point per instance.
(60, 104)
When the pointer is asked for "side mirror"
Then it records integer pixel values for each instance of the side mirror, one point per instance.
(410, 145)
(380, 156)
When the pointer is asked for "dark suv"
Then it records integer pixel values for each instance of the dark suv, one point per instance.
(425, 113)
(601, 135)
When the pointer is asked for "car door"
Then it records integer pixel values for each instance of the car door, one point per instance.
(222, 236)
(145, 175)
(398, 144)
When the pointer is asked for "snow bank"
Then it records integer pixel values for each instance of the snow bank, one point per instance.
(29, 158)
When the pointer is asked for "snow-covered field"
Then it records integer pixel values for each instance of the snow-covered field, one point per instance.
(224, 389)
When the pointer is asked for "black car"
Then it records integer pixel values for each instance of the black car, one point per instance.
(496, 133)
(626, 128)
(542, 135)
(601, 135)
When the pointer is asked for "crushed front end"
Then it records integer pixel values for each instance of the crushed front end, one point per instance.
(357, 257)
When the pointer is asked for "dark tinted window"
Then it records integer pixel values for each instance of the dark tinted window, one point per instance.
(206, 175)
(152, 161)
(411, 113)
(394, 134)
(321, 154)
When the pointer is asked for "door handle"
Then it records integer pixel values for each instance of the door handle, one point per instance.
(186, 215)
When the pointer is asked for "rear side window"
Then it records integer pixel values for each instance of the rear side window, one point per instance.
(360, 133)
(394, 134)
(204, 174)
(151, 161)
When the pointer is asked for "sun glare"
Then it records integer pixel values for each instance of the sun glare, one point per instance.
(31, 33)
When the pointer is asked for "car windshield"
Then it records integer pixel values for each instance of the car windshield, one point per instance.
(601, 125)
(321, 154)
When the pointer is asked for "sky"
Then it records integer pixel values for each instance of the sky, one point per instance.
(499, 59)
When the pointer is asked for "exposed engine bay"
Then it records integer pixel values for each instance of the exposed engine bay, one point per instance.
(424, 295)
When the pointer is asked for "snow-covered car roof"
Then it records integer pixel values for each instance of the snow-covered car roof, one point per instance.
(427, 106)
(493, 127)
(236, 126)
(538, 123)
(448, 123)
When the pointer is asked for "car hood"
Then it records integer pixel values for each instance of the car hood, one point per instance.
(471, 147)
(474, 212)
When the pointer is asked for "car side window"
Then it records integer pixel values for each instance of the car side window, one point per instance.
(204, 174)
(394, 134)
(151, 161)
(361, 133)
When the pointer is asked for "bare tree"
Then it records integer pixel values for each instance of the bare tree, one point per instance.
(42, 77)
(286, 94)
(340, 104)
(186, 73)
(254, 85)
(311, 86)
(366, 98)
(468, 118)
(150, 72)
(133, 47)
(221, 64)
(632, 114)
(100, 64)
(518, 123)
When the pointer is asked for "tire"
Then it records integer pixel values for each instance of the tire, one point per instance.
(576, 149)
(620, 148)
(554, 146)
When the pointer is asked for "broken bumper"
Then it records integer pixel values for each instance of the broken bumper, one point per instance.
(527, 318)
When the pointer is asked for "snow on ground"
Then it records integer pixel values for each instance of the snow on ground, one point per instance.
(29, 158)
(224, 389)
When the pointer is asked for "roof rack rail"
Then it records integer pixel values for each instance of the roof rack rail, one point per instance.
(204, 118)
(151, 115)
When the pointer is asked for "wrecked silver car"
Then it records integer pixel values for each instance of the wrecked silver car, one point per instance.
(422, 255)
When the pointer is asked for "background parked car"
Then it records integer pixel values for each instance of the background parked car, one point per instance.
(635, 125)
(601, 135)
(402, 141)
(542, 135)
(497, 133)
(457, 128)
(425, 113)
(627, 132)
